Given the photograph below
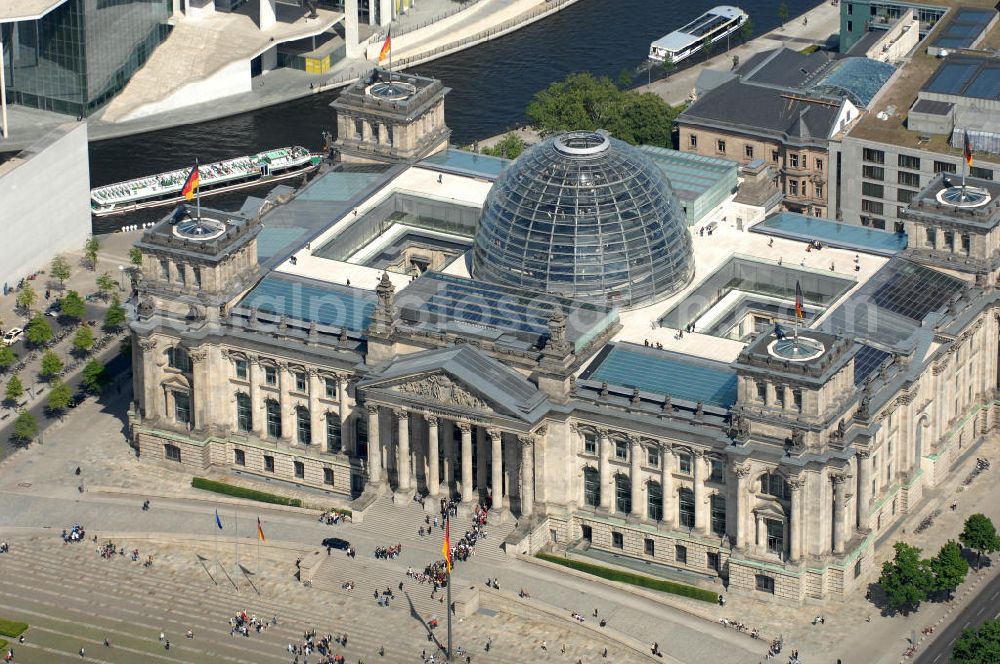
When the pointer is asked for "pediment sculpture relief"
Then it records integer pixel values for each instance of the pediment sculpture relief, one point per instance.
(444, 389)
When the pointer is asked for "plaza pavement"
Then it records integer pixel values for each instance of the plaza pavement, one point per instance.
(39, 495)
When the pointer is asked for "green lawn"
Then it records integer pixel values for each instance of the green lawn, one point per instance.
(633, 579)
(12, 627)
(243, 492)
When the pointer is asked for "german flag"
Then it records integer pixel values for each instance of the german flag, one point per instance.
(191, 184)
(967, 149)
(799, 311)
(446, 547)
(260, 531)
(386, 47)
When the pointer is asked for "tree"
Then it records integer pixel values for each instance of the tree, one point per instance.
(83, 340)
(949, 568)
(980, 535)
(72, 306)
(90, 249)
(746, 30)
(25, 427)
(51, 365)
(668, 65)
(624, 79)
(106, 284)
(26, 297)
(15, 389)
(509, 147)
(59, 397)
(95, 376)
(583, 102)
(135, 255)
(978, 646)
(707, 47)
(906, 580)
(60, 269)
(38, 332)
(114, 319)
(7, 357)
(783, 13)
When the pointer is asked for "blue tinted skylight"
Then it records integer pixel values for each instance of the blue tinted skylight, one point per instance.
(835, 234)
(467, 163)
(859, 78)
(308, 301)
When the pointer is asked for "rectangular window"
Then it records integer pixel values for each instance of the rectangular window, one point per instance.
(717, 473)
(244, 418)
(873, 156)
(165, 270)
(944, 167)
(621, 450)
(819, 192)
(797, 399)
(239, 457)
(931, 236)
(765, 584)
(680, 554)
(850, 10)
(684, 463)
(300, 381)
(649, 547)
(905, 195)
(872, 207)
(748, 151)
(331, 388)
(685, 508)
(268, 463)
(181, 275)
(793, 187)
(949, 240)
(328, 476)
(872, 189)
(850, 26)
(981, 173)
(762, 392)
(966, 243)
(590, 443)
(333, 441)
(241, 369)
(196, 271)
(617, 540)
(300, 470)
(693, 139)
(879, 224)
(270, 376)
(793, 160)
(172, 452)
(653, 457)
(713, 561)
(873, 172)
(774, 156)
(720, 146)
(909, 161)
(819, 164)
(182, 407)
(908, 179)
(779, 396)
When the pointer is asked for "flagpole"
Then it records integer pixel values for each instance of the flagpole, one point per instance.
(236, 522)
(259, 531)
(197, 189)
(216, 529)
(965, 159)
(447, 567)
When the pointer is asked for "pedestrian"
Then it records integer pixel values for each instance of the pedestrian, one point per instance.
(83, 653)
(161, 637)
(107, 642)
(544, 646)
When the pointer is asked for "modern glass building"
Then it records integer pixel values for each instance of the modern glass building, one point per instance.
(586, 216)
(76, 56)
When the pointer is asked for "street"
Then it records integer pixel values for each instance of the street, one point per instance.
(982, 607)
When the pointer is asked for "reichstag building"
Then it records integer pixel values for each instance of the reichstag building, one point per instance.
(625, 369)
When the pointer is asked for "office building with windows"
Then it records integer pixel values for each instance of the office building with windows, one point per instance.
(549, 334)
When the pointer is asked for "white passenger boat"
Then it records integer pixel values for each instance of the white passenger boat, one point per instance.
(215, 178)
(715, 24)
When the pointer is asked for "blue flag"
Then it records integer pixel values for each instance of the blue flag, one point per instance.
(218, 521)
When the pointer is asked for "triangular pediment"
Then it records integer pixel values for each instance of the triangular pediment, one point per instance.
(443, 388)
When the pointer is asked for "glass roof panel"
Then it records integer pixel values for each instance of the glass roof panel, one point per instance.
(835, 234)
(859, 78)
(308, 301)
(866, 362)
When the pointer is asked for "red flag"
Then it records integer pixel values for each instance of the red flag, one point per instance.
(386, 47)
(260, 531)
(799, 311)
(191, 184)
(967, 149)
(446, 547)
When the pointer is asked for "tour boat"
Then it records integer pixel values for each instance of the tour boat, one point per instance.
(215, 178)
(715, 24)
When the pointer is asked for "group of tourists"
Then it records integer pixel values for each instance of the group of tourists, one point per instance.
(243, 623)
(388, 552)
(323, 646)
(334, 518)
(75, 534)
(740, 627)
(4, 547)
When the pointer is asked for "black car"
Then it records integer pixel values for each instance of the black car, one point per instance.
(336, 543)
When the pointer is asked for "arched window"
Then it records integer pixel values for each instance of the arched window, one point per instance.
(718, 515)
(591, 487)
(273, 418)
(333, 443)
(303, 425)
(244, 415)
(654, 501)
(623, 494)
(773, 484)
(685, 507)
(178, 358)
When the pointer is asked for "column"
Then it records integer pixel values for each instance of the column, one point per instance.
(744, 521)
(346, 431)
(635, 477)
(700, 512)
(256, 400)
(482, 452)
(605, 470)
(285, 401)
(384, 12)
(466, 430)
(865, 487)
(761, 533)
(839, 504)
(374, 446)
(403, 451)
(353, 49)
(448, 433)
(201, 391)
(527, 474)
(795, 520)
(667, 484)
(317, 423)
(496, 479)
(433, 481)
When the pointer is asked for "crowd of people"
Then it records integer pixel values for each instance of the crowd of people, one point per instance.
(321, 645)
(334, 518)
(75, 534)
(740, 627)
(388, 552)
(243, 623)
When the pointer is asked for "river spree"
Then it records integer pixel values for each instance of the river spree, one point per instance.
(491, 86)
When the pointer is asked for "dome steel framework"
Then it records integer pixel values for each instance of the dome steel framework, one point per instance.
(587, 216)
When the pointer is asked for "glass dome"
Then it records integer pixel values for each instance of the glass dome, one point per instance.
(588, 216)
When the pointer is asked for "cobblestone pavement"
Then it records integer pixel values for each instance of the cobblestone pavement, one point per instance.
(38, 490)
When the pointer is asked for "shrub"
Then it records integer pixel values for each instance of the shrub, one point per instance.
(633, 579)
(243, 492)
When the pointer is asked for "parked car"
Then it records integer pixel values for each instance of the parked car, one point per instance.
(11, 336)
(53, 310)
(336, 543)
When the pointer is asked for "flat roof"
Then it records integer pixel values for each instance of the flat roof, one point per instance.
(691, 174)
(964, 28)
(26, 10)
(330, 305)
